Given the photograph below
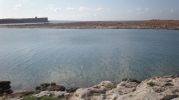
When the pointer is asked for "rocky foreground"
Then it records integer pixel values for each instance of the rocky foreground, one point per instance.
(157, 88)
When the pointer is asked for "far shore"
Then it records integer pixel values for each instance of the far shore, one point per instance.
(145, 24)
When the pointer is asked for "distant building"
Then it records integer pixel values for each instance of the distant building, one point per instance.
(24, 20)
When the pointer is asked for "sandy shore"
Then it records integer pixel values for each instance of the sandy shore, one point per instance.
(157, 88)
(147, 24)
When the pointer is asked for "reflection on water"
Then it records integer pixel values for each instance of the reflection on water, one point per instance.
(80, 58)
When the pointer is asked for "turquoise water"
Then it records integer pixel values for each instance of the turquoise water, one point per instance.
(81, 58)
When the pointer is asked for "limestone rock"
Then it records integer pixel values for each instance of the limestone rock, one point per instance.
(157, 88)
(93, 92)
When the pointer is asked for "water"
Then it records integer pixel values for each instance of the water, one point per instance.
(82, 58)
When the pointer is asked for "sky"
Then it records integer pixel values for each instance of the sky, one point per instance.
(91, 9)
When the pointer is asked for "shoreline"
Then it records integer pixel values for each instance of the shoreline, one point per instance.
(147, 24)
(156, 88)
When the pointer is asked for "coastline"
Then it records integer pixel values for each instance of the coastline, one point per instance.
(148, 24)
(156, 88)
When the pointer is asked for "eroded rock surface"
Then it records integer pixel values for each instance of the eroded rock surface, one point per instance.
(158, 88)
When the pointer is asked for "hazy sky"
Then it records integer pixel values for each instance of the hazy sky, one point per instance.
(91, 9)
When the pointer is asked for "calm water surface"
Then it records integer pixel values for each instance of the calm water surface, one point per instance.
(81, 58)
